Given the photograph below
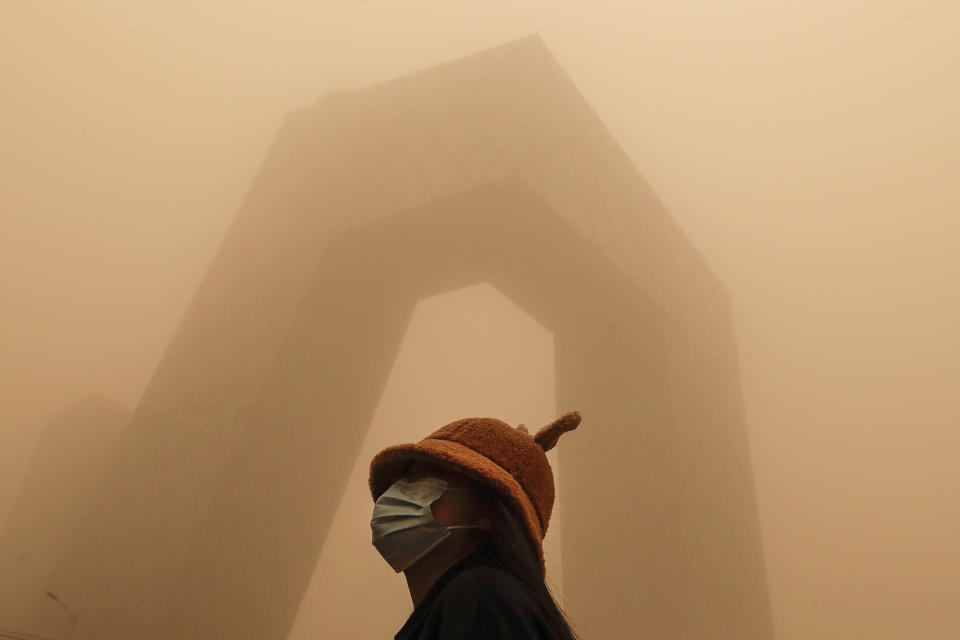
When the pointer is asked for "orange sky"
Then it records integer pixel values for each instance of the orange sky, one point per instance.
(810, 150)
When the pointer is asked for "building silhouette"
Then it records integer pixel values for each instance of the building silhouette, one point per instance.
(490, 168)
(74, 447)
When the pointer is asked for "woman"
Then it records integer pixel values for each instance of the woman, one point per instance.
(462, 514)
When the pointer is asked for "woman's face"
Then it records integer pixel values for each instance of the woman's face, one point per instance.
(453, 507)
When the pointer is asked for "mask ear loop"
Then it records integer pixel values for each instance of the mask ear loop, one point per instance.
(484, 525)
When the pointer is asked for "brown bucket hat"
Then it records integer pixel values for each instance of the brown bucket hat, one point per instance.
(510, 461)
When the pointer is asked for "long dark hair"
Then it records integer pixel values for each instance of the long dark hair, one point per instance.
(509, 546)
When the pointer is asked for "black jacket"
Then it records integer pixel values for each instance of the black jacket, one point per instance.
(477, 600)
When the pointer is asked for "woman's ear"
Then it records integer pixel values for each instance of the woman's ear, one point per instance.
(486, 515)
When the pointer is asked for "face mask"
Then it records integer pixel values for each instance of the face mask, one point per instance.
(403, 526)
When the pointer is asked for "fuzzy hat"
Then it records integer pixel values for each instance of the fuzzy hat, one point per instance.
(510, 461)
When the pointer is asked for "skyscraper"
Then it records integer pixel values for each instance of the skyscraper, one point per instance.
(490, 168)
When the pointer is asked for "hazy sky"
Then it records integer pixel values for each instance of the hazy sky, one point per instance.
(811, 151)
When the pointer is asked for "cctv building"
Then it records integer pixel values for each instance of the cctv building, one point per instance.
(493, 169)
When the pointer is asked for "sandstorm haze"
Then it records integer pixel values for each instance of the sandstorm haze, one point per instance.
(808, 150)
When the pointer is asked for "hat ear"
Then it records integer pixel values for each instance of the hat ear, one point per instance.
(548, 436)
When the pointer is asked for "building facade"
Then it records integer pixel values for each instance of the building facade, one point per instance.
(490, 168)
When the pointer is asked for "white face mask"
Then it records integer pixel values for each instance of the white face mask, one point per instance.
(403, 526)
